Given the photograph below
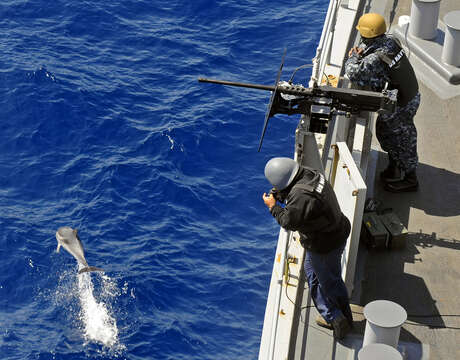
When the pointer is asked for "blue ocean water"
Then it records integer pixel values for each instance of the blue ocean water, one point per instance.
(105, 128)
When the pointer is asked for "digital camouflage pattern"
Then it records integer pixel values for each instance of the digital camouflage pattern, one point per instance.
(395, 132)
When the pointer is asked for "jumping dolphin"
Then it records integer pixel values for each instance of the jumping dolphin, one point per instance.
(69, 240)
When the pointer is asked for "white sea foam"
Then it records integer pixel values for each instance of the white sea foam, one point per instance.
(173, 142)
(99, 324)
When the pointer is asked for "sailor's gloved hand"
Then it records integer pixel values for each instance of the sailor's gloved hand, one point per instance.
(355, 50)
(269, 200)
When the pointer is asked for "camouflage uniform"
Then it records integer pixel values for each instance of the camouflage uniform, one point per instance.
(395, 132)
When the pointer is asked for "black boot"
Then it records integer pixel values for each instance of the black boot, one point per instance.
(340, 327)
(408, 183)
(392, 172)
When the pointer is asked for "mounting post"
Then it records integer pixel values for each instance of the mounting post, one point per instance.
(424, 16)
(379, 352)
(383, 322)
(451, 48)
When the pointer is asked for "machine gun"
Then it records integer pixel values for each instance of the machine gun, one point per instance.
(318, 103)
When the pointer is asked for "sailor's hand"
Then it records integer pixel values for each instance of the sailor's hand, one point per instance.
(356, 50)
(269, 200)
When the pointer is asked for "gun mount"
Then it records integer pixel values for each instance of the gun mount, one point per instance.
(318, 103)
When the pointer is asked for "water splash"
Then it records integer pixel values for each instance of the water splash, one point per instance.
(88, 298)
(99, 324)
(41, 75)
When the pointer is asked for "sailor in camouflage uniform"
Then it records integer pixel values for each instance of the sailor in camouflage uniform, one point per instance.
(379, 60)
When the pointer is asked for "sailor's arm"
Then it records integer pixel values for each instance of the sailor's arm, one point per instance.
(291, 216)
(364, 71)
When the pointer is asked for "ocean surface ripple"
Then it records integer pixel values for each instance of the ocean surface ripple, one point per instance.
(105, 128)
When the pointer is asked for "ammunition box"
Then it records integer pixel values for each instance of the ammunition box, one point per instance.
(377, 235)
(398, 232)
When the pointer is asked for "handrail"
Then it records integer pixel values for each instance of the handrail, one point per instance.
(319, 61)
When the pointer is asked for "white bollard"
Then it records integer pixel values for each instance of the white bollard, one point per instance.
(451, 48)
(379, 352)
(424, 16)
(384, 320)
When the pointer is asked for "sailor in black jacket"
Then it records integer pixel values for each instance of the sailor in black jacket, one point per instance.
(312, 209)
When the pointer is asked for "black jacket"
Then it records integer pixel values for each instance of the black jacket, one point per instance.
(316, 215)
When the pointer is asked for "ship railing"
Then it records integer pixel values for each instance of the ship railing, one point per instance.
(346, 9)
(325, 42)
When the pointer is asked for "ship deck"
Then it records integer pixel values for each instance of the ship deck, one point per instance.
(424, 276)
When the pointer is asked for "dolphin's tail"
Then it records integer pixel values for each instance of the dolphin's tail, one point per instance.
(89, 268)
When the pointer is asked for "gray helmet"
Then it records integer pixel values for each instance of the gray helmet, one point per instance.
(280, 171)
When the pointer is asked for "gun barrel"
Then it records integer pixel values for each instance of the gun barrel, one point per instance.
(239, 84)
(343, 98)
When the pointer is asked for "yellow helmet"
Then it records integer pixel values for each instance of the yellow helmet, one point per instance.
(371, 25)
